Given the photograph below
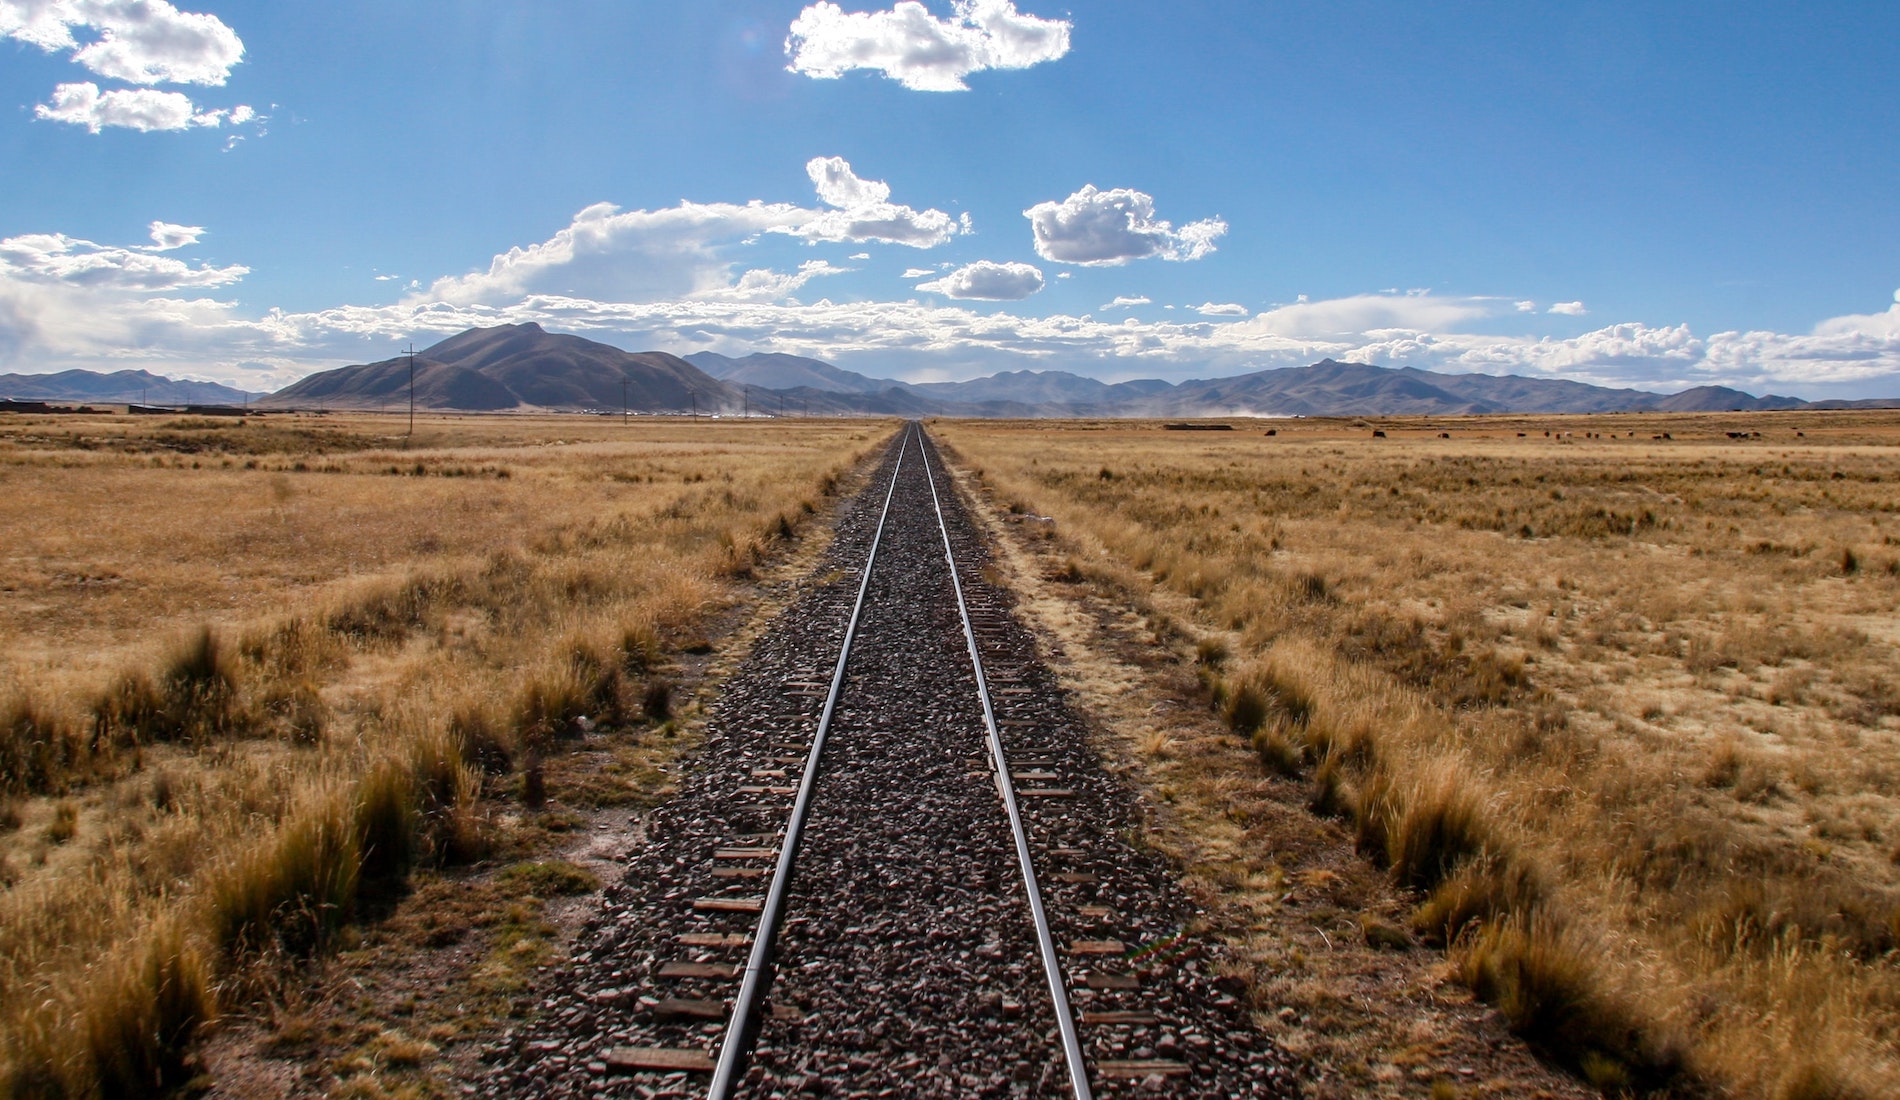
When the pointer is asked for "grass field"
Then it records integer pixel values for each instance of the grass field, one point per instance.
(258, 673)
(1615, 700)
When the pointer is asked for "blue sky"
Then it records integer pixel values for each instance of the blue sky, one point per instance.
(1632, 194)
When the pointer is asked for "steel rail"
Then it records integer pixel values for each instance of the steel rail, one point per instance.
(1052, 967)
(732, 1052)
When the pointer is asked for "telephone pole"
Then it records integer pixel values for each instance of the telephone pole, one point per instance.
(623, 400)
(412, 390)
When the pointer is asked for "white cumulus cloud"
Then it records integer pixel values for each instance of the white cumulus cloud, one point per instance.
(919, 50)
(1568, 309)
(141, 42)
(1123, 301)
(917, 273)
(986, 280)
(1105, 228)
(1525, 306)
(1864, 324)
(1220, 309)
(144, 109)
(865, 213)
(136, 41)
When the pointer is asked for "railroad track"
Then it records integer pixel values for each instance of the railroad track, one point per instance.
(896, 870)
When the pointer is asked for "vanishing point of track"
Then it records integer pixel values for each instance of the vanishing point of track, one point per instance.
(903, 944)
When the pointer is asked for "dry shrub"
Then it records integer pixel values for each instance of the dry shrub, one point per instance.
(129, 1030)
(484, 745)
(193, 699)
(387, 826)
(640, 648)
(1544, 980)
(448, 790)
(65, 823)
(656, 700)
(1330, 797)
(1425, 830)
(1270, 692)
(297, 712)
(291, 890)
(39, 752)
(1494, 888)
(587, 683)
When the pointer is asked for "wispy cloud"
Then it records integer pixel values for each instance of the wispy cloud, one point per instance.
(688, 251)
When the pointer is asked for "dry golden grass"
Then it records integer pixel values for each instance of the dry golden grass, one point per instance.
(1618, 711)
(255, 675)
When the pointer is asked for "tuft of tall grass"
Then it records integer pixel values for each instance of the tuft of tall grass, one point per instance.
(40, 753)
(1544, 980)
(289, 892)
(1423, 830)
(128, 1032)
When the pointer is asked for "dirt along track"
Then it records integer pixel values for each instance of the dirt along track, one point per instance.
(907, 962)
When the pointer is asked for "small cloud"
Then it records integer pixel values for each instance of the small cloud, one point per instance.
(918, 273)
(988, 281)
(387, 278)
(166, 236)
(860, 256)
(1220, 309)
(1125, 302)
(1568, 309)
(1065, 274)
(1527, 306)
(1107, 228)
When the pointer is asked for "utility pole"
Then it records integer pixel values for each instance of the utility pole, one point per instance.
(694, 394)
(623, 400)
(412, 389)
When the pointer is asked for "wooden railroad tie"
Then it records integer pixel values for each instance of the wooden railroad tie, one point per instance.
(720, 971)
(663, 1059)
(687, 1008)
(729, 905)
(1111, 1018)
(1102, 979)
(1098, 947)
(712, 939)
(1147, 1067)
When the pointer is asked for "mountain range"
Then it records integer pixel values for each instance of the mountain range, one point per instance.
(526, 367)
(125, 387)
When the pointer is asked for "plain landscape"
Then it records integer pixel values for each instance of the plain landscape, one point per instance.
(1605, 703)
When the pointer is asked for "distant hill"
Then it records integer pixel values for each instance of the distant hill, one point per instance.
(774, 371)
(125, 387)
(1330, 388)
(511, 366)
(1049, 387)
